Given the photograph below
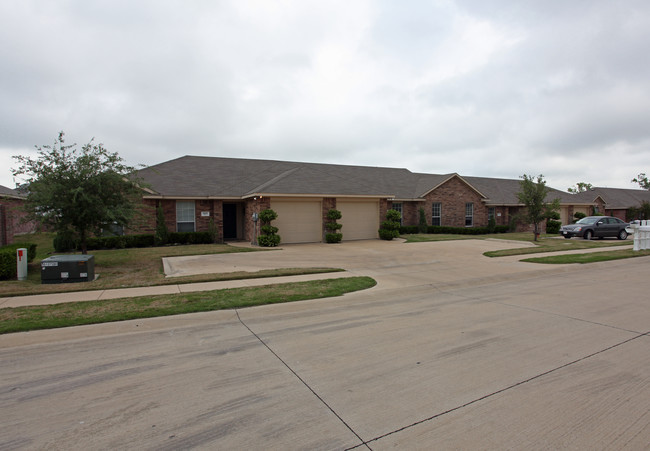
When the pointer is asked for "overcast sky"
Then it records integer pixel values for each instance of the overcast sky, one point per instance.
(478, 87)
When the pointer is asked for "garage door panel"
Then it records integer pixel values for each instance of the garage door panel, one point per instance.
(360, 219)
(298, 221)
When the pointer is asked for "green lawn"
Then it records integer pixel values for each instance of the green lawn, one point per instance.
(93, 312)
(124, 268)
(551, 243)
(591, 257)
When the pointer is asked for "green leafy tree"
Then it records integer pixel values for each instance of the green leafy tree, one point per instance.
(533, 195)
(580, 187)
(642, 180)
(78, 191)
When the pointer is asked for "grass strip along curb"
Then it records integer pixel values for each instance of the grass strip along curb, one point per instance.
(591, 257)
(20, 319)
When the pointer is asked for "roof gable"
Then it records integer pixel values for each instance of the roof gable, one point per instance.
(441, 180)
(615, 198)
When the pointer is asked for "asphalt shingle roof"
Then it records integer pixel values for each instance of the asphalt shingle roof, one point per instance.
(192, 176)
(8, 192)
(615, 198)
(217, 177)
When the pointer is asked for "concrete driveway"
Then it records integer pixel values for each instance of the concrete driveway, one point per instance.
(449, 351)
(392, 263)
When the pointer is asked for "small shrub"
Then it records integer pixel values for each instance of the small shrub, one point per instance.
(553, 226)
(422, 225)
(578, 215)
(8, 264)
(333, 236)
(389, 228)
(213, 230)
(269, 229)
(162, 233)
(492, 225)
(388, 235)
(190, 238)
(270, 238)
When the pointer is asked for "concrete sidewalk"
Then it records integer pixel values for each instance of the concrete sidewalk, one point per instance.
(100, 295)
(392, 263)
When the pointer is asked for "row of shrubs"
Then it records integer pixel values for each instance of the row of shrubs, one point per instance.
(456, 230)
(66, 244)
(8, 264)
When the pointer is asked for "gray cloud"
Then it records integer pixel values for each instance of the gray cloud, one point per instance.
(489, 88)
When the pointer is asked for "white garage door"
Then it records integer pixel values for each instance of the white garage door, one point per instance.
(360, 219)
(299, 221)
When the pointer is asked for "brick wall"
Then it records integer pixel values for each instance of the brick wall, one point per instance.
(453, 195)
(253, 206)
(6, 229)
(12, 220)
(383, 209)
(328, 204)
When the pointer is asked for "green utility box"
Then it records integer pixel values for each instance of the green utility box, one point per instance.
(68, 269)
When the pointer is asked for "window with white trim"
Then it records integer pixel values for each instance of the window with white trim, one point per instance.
(185, 216)
(491, 213)
(397, 206)
(469, 214)
(436, 214)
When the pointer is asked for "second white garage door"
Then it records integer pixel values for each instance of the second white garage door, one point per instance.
(360, 219)
(299, 221)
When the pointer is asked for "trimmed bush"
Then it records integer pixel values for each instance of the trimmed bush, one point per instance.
(492, 225)
(404, 230)
(553, 226)
(190, 238)
(422, 225)
(8, 264)
(270, 238)
(162, 233)
(121, 242)
(333, 236)
(389, 228)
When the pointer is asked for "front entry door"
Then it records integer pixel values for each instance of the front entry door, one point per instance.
(229, 221)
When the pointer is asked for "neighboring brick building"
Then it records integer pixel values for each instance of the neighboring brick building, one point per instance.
(12, 216)
(195, 191)
(614, 201)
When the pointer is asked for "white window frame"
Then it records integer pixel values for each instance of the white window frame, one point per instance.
(469, 214)
(185, 214)
(435, 217)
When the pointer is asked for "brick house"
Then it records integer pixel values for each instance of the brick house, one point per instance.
(12, 216)
(614, 201)
(197, 191)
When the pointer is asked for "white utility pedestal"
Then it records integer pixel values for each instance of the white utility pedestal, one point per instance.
(21, 261)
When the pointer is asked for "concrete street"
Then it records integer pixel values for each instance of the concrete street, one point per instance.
(451, 350)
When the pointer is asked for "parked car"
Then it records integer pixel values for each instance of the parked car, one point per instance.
(596, 226)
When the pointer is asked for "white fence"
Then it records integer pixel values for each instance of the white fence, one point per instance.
(641, 234)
